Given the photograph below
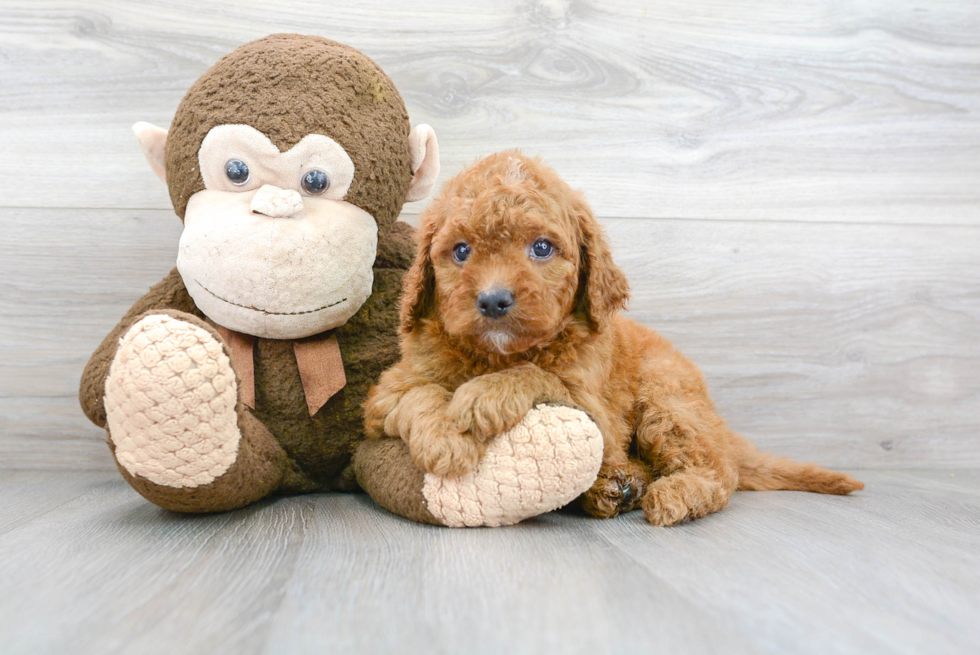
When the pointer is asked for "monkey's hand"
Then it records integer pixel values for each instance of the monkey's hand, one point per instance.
(491, 404)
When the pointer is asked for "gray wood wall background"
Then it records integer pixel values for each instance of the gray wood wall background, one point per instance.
(793, 188)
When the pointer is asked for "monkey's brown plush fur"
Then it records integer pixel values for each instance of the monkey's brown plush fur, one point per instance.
(465, 377)
(288, 86)
(295, 85)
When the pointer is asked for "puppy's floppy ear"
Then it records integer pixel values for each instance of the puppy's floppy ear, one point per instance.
(602, 287)
(419, 284)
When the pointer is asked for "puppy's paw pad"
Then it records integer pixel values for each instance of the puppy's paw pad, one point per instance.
(602, 501)
(613, 493)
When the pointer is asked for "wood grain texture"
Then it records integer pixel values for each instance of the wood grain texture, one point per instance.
(56, 305)
(854, 345)
(851, 345)
(863, 111)
(894, 569)
(25, 495)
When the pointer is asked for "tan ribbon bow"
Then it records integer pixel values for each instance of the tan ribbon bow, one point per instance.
(321, 367)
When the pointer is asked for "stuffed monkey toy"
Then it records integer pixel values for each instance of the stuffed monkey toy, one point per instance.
(243, 372)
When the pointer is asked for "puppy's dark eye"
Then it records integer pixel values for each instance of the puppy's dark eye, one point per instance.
(542, 249)
(461, 252)
(237, 171)
(315, 182)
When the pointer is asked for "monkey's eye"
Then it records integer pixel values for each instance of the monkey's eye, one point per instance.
(461, 252)
(542, 249)
(315, 182)
(237, 171)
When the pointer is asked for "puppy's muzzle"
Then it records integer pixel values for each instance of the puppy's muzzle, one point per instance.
(495, 302)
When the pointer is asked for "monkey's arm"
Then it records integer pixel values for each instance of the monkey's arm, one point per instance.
(169, 293)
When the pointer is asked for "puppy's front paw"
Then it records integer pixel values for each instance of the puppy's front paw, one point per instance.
(449, 454)
(374, 428)
(381, 403)
(665, 508)
(475, 409)
(683, 497)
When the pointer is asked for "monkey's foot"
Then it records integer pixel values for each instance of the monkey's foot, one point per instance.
(170, 403)
(543, 463)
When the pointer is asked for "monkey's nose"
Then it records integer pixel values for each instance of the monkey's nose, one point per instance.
(272, 201)
(494, 302)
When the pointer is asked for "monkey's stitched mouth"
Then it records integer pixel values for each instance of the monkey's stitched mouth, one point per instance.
(266, 311)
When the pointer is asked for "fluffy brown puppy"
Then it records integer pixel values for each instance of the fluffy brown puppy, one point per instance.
(513, 299)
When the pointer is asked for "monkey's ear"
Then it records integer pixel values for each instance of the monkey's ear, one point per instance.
(153, 142)
(425, 162)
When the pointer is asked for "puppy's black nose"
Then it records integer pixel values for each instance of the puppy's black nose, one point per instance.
(494, 302)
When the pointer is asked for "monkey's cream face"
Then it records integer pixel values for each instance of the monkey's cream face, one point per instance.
(270, 248)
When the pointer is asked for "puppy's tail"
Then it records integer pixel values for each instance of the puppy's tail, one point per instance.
(759, 471)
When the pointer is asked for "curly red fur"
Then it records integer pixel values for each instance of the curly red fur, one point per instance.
(465, 377)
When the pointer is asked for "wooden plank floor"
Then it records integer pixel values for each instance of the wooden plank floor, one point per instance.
(87, 566)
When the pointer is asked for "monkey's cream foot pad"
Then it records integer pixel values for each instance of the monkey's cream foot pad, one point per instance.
(543, 463)
(170, 402)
